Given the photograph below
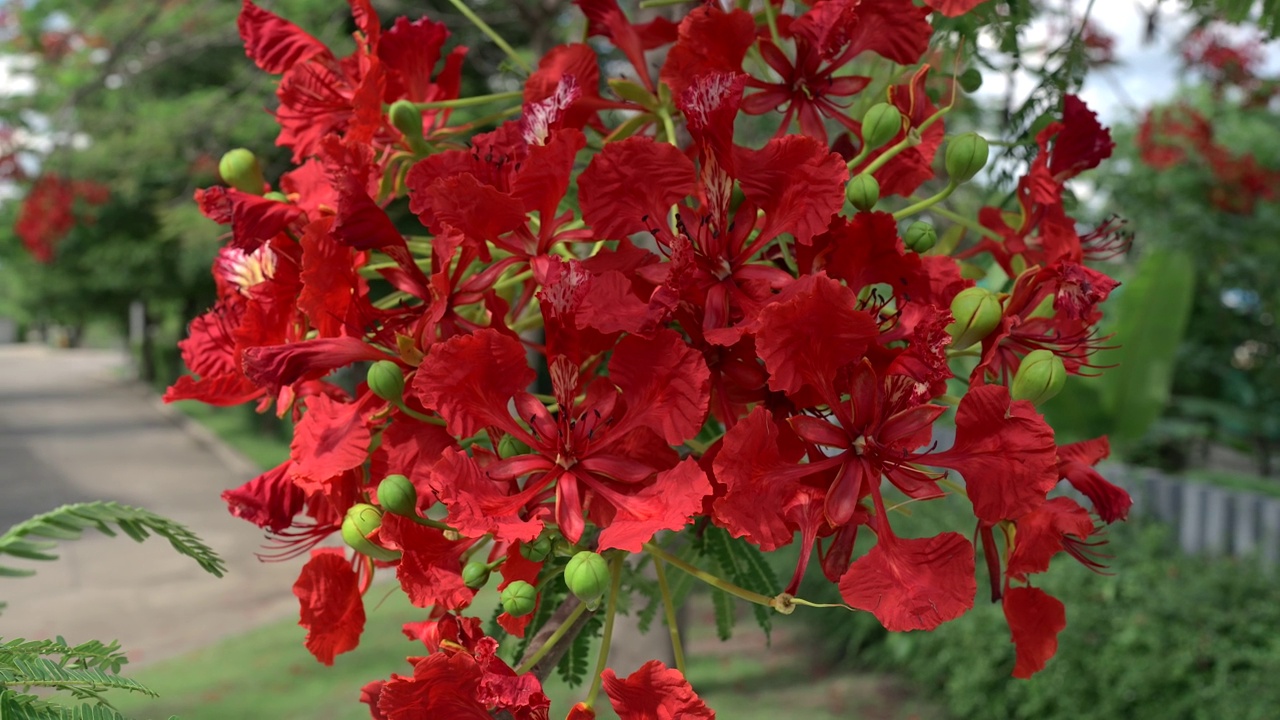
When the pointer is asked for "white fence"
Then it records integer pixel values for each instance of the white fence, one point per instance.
(1206, 518)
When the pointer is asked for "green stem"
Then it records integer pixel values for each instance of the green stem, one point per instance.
(550, 644)
(771, 17)
(708, 578)
(470, 101)
(483, 27)
(669, 608)
(965, 222)
(513, 280)
(926, 203)
(611, 612)
(668, 127)
(419, 416)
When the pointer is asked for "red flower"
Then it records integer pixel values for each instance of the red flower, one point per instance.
(609, 454)
(1075, 464)
(912, 584)
(654, 692)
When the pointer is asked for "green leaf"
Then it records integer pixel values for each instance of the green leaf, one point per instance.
(576, 663)
(742, 564)
(723, 604)
(69, 521)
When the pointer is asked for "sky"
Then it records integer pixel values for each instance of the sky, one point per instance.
(1144, 73)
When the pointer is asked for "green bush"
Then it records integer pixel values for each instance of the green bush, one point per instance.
(1164, 636)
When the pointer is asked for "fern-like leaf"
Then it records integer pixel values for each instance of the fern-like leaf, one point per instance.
(575, 664)
(743, 565)
(723, 604)
(69, 521)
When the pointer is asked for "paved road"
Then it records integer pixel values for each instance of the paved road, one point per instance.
(72, 429)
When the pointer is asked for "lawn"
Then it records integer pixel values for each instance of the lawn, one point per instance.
(267, 674)
(240, 427)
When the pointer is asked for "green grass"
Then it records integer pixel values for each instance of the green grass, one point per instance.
(252, 435)
(268, 674)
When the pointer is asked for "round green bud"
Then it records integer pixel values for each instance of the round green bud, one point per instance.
(396, 494)
(475, 574)
(510, 446)
(239, 168)
(880, 125)
(519, 598)
(363, 520)
(920, 237)
(407, 118)
(1040, 376)
(386, 380)
(276, 196)
(587, 576)
(966, 155)
(977, 312)
(971, 80)
(863, 191)
(538, 550)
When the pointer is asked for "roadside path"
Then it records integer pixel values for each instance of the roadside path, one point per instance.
(72, 429)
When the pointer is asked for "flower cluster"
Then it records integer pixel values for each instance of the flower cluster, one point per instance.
(53, 206)
(605, 327)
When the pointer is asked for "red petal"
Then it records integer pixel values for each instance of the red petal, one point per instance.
(430, 570)
(666, 504)
(630, 185)
(1041, 532)
(274, 43)
(1081, 144)
(478, 505)
(411, 50)
(893, 30)
(331, 438)
(806, 339)
(913, 584)
(710, 41)
(330, 287)
(469, 380)
(332, 609)
(275, 366)
(798, 183)
(1035, 619)
(1005, 452)
(953, 8)
(654, 692)
(443, 686)
(666, 385)
(269, 501)
(758, 486)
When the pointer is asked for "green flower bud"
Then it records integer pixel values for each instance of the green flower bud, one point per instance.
(510, 446)
(397, 494)
(977, 312)
(920, 237)
(277, 196)
(475, 574)
(407, 118)
(863, 191)
(363, 520)
(1040, 376)
(239, 168)
(386, 380)
(538, 550)
(519, 598)
(587, 576)
(971, 80)
(880, 125)
(966, 155)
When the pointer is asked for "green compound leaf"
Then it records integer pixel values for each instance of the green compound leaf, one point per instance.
(69, 522)
(742, 564)
(576, 663)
